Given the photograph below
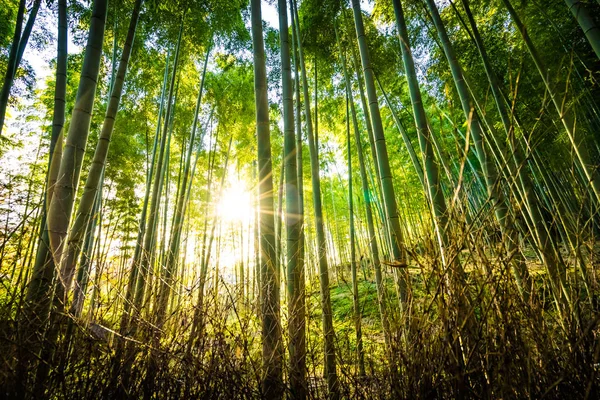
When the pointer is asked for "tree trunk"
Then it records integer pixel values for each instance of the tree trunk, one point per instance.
(434, 184)
(178, 218)
(93, 181)
(587, 23)
(147, 249)
(381, 290)
(43, 269)
(328, 330)
(497, 199)
(394, 231)
(63, 199)
(300, 312)
(540, 229)
(272, 347)
(355, 299)
(590, 169)
(61, 196)
(293, 220)
(377, 189)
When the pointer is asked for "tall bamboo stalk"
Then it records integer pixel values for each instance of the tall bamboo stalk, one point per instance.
(368, 199)
(591, 30)
(434, 185)
(93, 181)
(147, 250)
(296, 325)
(540, 229)
(63, 199)
(328, 330)
(17, 48)
(178, 218)
(272, 346)
(578, 143)
(389, 194)
(492, 182)
(355, 299)
(43, 269)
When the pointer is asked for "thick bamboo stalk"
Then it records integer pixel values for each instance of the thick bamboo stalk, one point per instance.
(272, 347)
(43, 269)
(591, 30)
(93, 181)
(389, 194)
(293, 220)
(328, 330)
(63, 199)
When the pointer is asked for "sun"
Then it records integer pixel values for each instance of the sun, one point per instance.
(235, 204)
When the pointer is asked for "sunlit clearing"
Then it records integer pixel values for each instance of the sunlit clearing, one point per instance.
(235, 204)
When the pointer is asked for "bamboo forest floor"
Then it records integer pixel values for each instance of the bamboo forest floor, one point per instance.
(506, 348)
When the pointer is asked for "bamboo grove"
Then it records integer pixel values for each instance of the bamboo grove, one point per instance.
(300, 199)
